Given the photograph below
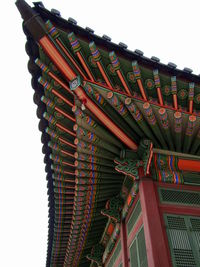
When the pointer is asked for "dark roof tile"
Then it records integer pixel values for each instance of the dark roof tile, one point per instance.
(123, 45)
(139, 52)
(172, 65)
(73, 21)
(106, 37)
(156, 59)
(55, 12)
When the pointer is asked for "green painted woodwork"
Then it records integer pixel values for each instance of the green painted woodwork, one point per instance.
(130, 199)
(182, 197)
(126, 187)
(129, 166)
(115, 255)
(84, 175)
(96, 254)
(184, 239)
(165, 126)
(97, 97)
(150, 116)
(91, 137)
(139, 118)
(133, 218)
(189, 133)
(138, 254)
(86, 121)
(191, 178)
(120, 107)
(113, 208)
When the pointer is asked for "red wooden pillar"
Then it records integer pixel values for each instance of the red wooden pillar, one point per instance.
(155, 243)
(123, 236)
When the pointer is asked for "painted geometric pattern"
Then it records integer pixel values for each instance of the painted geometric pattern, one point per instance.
(92, 104)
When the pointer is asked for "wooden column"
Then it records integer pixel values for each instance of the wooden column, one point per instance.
(123, 235)
(155, 243)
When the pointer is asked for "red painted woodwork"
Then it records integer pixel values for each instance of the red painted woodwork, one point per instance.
(189, 165)
(65, 114)
(177, 209)
(71, 59)
(110, 229)
(67, 153)
(175, 101)
(160, 96)
(123, 235)
(123, 82)
(132, 208)
(65, 129)
(66, 142)
(85, 66)
(52, 52)
(134, 231)
(104, 119)
(171, 208)
(175, 186)
(104, 74)
(118, 261)
(70, 75)
(160, 104)
(60, 82)
(155, 243)
(142, 90)
(107, 260)
(191, 106)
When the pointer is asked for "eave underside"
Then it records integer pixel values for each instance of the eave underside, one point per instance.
(80, 145)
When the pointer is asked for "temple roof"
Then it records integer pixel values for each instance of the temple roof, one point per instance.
(95, 100)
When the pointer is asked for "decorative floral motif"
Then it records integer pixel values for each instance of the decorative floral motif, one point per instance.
(131, 77)
(134, 110)
(149, 113)
(59, 101)
(58, 115)
(166, 90)
(164, 118)
(197, 99)
(182, 94)
(177, 122)
(56, 84)
(149, 84)
(190, 126)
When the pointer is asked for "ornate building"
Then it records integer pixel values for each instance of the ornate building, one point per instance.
(121, 140)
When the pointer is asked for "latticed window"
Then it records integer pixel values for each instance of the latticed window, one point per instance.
(185, 197)
(138, 256)
(184, 239)
(133, 218)
(115, 255)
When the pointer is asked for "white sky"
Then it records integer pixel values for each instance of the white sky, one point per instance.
(166, 29)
